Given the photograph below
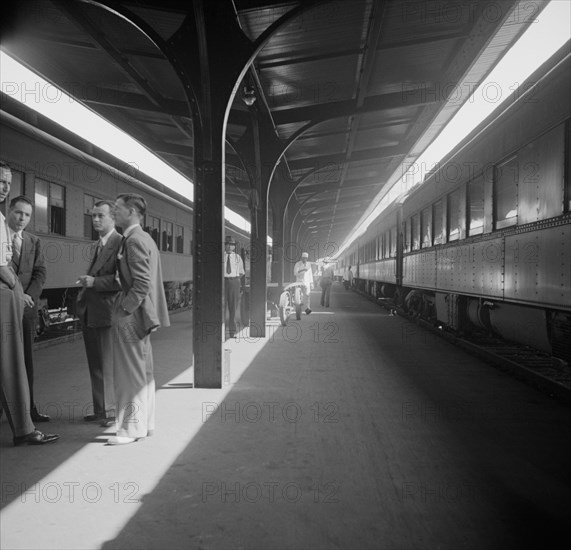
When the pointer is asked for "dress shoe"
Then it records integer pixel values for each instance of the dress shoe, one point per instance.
(307, 311)
(94, 417)
(35, 438)
(107, 422)
(150, 433)
(37, 417)
(121, 440)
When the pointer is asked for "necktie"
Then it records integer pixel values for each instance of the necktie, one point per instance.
(228, 266)
(16, 250)
(97, 251)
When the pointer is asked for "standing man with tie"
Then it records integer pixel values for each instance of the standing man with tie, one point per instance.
(14, 391)
(28, 263)
(139, 309)
(94, 307)
(233, 273)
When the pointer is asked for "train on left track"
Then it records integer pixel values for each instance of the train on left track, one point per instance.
(64, 176)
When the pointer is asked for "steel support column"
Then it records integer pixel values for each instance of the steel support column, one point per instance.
(214, 67)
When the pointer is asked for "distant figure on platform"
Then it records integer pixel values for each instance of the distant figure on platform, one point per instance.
(14, 390)
(326, 282)
(94, 307)
(233, 274)
(348, 278)
(139, 309)
(303, 274)
(28, 263)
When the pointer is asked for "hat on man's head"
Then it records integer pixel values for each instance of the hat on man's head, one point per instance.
(304, 255)
(230, 240)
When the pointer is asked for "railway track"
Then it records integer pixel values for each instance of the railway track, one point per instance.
(543, 371)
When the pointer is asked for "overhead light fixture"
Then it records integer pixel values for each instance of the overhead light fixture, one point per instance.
(249, 97)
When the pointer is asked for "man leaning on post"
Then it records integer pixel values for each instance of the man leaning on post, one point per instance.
(29, 265)
(14, 391)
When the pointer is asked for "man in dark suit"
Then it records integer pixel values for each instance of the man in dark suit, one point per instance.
(28, 263)
(140, 308)
(94, 307)
(14, 391)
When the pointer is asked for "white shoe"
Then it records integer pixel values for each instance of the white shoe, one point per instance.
(121, 440)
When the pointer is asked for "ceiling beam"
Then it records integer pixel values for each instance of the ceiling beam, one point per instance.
(339, 159)
(336, 109)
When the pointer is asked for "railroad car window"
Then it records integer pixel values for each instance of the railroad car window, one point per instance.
(57, 209)
(426, 227)
(541, 175)
(41, 206)
(437, 222)
(393, 243)
(153, 228)
(88, 204)
(407, 237)
(476, 206)
(167, 237)
(505, 193)
(454, 215)
(415, 229)
(179, 239)
(49, 200)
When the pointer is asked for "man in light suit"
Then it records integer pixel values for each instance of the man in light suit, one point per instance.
(94, 307)
(139, 309)
(29, 265)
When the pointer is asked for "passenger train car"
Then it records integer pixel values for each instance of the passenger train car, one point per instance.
(64, 177)
(484, 243)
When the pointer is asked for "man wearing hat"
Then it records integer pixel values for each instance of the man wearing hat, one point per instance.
(303, 274)
(233, 272)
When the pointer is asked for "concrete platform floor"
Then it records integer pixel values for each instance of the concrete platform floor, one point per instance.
(349, 429)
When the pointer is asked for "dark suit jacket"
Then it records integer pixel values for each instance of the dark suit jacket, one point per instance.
(139, 265)
(94, 305)
(32, 269)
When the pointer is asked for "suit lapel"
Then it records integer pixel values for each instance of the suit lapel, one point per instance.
(123, 264)
(25, 253)
(103, 255)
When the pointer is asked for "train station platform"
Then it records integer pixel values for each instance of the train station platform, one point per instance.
(349, 429)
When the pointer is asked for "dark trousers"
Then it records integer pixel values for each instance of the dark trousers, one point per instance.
(29, 332)
(325, 291)
(232, 290)
(99, 350)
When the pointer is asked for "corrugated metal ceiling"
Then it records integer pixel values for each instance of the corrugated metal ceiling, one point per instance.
(357, 73)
